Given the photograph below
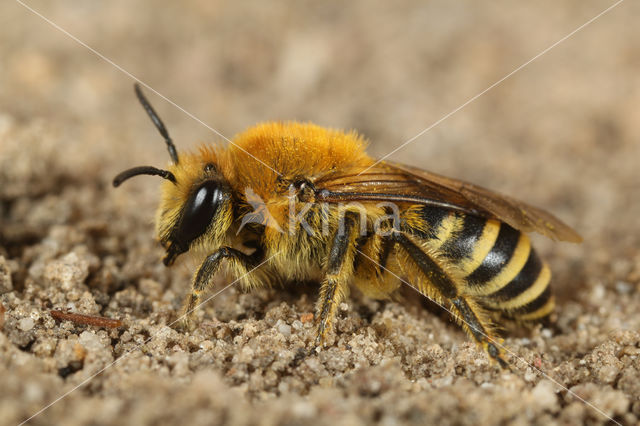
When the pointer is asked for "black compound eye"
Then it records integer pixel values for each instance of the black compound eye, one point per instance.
(198, 213)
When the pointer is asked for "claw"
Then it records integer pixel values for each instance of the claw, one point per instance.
(496, 355)
(184, 323)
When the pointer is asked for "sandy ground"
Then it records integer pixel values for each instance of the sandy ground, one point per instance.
(562, 133)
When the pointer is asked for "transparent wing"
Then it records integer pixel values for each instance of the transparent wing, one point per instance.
(399, 183)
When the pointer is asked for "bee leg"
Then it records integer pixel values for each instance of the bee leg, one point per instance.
(241, 264)
(473, 318)
(474, 326)
(334, 287)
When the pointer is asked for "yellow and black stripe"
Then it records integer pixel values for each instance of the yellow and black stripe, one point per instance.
(500, 268)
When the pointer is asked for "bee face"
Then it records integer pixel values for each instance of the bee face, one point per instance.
(200, 219)
(195, 211)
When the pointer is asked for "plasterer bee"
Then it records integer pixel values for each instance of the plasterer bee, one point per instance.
(307, 203)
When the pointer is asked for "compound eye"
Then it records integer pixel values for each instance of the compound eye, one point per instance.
(198, 213)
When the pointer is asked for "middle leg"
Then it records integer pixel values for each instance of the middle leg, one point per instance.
(339, 270)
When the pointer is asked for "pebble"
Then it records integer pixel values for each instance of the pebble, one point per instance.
(90, 341)
(283, 328)
(623, 287)
(26, 324)
(68, 272)
(544, 395)
(5, 276)
(530, 375)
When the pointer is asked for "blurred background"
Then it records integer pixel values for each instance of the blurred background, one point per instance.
(562, 133)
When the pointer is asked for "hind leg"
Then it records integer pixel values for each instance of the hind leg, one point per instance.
(442, 286)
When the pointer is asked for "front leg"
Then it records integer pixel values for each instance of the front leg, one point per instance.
(240, 264)
(339, 270)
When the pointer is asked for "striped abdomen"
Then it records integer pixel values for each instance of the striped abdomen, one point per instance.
(497, 262)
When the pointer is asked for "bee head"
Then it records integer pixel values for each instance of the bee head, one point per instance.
(195, 211)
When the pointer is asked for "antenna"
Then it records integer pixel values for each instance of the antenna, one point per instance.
(158, 123)
(142, 170)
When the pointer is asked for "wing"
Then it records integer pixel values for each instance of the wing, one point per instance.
(399, 183)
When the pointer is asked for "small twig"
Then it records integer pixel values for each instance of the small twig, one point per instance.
(86, 319)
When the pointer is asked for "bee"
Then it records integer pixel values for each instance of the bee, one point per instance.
(287, 201)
